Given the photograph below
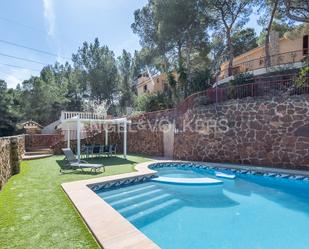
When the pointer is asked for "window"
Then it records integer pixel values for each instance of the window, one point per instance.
(145, 88)
(305, 44)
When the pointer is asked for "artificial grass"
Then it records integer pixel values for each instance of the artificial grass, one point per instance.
(36, 213)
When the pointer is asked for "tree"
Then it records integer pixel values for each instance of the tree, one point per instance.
(281, 27)
(270, 8)
(297, 10)
(298, 31)
(172, 38)
(98, 68)
(218, 52)
(125, 67)
(45, 95)
(244, 40)
(152, 102)
(229, 16)
(9, 114)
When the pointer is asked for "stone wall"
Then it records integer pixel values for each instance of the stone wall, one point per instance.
(42, 140)
(262, 131)
(11, 151)
(142, 142)
(267, 131)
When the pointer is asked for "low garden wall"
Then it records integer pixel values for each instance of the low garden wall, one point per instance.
(42, 140)
(141, 142)
(11, 151)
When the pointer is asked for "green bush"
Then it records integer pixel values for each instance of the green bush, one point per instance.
(241, 79)
(302, 79)
(150, 102)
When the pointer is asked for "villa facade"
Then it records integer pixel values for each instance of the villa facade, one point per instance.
(147, 84)
(283, 52)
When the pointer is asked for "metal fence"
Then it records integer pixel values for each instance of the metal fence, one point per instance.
(282, 59)
(263, 86)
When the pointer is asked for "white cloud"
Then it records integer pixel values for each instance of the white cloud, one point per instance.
(49, 15)
(17, 76)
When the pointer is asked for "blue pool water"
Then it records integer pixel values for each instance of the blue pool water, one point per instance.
(250, 212)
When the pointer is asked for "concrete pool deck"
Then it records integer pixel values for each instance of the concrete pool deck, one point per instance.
(110, 228)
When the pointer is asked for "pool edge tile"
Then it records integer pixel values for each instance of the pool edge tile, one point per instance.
(110, 228)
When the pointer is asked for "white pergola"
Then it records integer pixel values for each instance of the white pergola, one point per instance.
(77, 123)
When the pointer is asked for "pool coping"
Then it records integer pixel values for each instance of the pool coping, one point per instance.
(109, 227)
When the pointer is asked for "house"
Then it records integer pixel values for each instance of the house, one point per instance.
(156, 83)
(283, 52)
(32, 127)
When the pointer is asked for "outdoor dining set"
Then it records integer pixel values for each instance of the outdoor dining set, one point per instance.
(98, 150)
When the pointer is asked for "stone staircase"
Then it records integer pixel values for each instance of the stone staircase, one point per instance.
(37, 153)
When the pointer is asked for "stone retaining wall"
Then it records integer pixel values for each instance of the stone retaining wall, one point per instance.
(263, 131)
(266, 131)
(11, 151)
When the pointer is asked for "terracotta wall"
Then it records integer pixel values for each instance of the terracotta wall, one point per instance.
(42, 140)
(142, 142)
(11, 151)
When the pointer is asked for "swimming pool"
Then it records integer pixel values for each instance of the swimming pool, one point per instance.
(250, 211)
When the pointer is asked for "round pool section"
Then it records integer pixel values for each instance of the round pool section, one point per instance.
(187, 171)
(250, 211)
(177, 172)
(187, 181)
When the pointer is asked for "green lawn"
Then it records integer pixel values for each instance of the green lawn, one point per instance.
(36, 213)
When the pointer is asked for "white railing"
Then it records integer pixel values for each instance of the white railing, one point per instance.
(83, 115)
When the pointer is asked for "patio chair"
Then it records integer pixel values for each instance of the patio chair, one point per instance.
(106, 150)
(73, 164)
(96, 150)
(87, 150)
(112, 149)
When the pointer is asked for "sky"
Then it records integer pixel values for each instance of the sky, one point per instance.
(59, 27)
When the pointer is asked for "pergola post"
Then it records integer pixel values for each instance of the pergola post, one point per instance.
(68, 138)
(78, 138)
(125, 139)
(106, 134)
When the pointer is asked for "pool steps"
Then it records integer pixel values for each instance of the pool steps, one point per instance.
(134, 198)
(110, 196)
(151, 211)
(142, 205)
(138, 204)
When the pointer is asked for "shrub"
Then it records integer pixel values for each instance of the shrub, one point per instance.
(150, 102)
(302, 79)
(241, 79)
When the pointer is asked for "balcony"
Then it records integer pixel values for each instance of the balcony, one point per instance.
(83, 115)
(257, 66)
